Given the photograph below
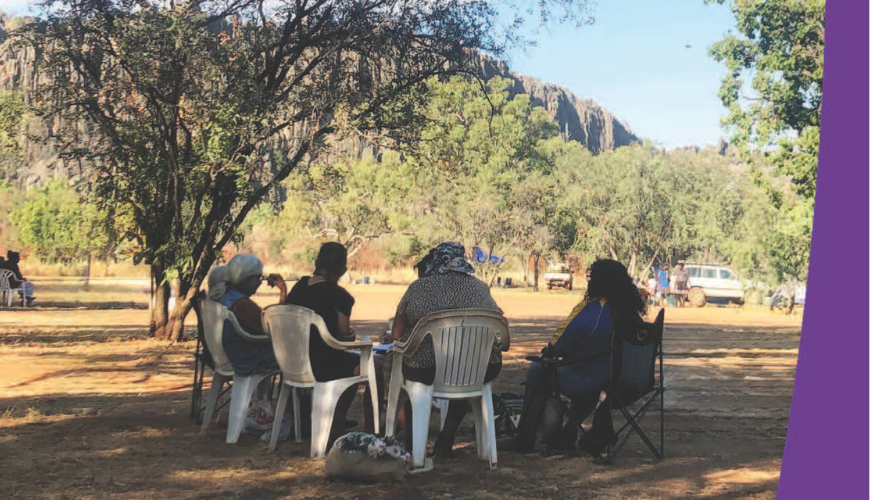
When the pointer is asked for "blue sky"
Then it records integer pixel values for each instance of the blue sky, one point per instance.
(634, 62)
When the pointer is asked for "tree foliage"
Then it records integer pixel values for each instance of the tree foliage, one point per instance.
(491, 172)
(190, 113)
(57, 226)
(780, 47)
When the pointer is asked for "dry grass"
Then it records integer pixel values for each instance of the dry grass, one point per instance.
(91, 409)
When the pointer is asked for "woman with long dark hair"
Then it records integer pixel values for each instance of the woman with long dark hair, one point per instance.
(583, 342)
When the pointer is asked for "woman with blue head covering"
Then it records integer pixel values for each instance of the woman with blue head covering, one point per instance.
(447, 283)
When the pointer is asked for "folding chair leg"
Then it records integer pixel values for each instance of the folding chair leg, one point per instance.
(632, 424)
(642, 435)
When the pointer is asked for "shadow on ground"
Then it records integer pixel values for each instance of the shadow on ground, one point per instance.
(727, 400)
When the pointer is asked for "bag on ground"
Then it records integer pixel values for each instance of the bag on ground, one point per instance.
(366, 457)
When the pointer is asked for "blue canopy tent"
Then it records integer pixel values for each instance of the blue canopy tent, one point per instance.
(481, 257)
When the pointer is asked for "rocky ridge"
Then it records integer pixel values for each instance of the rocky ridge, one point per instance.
(579, 119)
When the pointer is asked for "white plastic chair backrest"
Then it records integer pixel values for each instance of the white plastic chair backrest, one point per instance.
(463, 344)
(5, 276)
(214, 315)
(290, 327)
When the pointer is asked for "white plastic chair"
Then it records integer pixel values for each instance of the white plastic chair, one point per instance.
(243, 387)
(463, 343)
(290, 327)
(6, 290)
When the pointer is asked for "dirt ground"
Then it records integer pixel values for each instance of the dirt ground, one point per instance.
(90, 408)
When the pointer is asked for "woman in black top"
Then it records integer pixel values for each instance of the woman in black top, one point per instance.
(322, 294)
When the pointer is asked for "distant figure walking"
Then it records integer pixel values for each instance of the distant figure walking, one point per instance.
(652, 290)
(681, 284)
(664, 284)
(18, 281)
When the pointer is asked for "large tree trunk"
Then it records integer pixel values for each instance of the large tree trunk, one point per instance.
(183, 306)
(160, 293)
(536, 258)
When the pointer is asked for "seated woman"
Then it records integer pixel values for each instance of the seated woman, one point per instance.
(18, 281)
(244, 273)
(447, 283)
(322, 294)
(585, 336)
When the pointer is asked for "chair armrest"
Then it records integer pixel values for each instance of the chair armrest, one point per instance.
(565, 361)
(250, 337)
(356, 344)
(407, 346)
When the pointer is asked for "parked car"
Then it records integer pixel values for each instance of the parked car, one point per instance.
(711, 281)
(559, 275)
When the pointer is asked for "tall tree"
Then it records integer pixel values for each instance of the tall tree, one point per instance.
(780, 46)
(352, 202)
(478, 169)
(57, 226)
(178, 107)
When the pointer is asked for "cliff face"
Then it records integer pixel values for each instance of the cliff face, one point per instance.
(579, 119)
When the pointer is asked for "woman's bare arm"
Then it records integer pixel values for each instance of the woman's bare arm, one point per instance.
(400, 325)
(275, 280)
(250, 316)
(345, 331)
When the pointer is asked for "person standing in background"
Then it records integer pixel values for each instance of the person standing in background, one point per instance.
(664, 284)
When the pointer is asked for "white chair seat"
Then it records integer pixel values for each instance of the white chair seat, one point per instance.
(243, 386)
(6, 290)
(290, 327)
(463, 343)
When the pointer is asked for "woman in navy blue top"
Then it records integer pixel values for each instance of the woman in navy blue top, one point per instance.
(585, 336)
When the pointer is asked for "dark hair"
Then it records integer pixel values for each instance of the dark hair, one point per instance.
(331, 261)
(13, 257)
(608, 279)
(421, 266)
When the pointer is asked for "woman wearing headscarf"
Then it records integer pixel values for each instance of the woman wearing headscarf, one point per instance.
(447, 284)
(244, 274)
(217, 283)
(585, 336)
(18, 281)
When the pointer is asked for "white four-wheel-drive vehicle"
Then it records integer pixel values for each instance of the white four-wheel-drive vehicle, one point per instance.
(559, 275)
(711, 281)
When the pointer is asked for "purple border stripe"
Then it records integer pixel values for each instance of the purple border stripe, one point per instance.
(826, 448)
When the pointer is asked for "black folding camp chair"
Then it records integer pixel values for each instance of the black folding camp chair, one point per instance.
(632, 390)
(635, 385)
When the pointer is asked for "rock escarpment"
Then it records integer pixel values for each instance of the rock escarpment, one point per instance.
(579, 119)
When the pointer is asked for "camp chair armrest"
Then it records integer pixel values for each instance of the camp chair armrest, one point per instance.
(563, 361)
